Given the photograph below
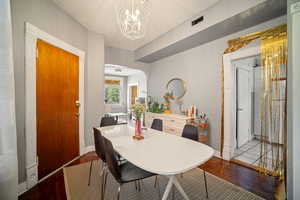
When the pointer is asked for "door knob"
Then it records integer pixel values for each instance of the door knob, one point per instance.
(77, 114)
(77, 103)
(240, 109)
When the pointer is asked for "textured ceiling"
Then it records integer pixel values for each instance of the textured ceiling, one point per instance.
(99, 16)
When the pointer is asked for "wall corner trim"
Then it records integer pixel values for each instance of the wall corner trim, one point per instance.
(22, 187)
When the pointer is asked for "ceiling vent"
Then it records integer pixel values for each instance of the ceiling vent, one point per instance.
(197, 21)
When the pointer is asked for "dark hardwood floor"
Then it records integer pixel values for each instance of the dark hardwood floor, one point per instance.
(265, 186)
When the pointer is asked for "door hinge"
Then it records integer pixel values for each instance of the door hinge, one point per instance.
(37, 161)
(37, 53)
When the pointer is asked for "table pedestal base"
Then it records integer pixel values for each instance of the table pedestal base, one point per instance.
(173, 180)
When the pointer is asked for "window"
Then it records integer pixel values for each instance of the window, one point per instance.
(113, 91)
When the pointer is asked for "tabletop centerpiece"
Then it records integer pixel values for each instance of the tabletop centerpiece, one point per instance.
(138, 110)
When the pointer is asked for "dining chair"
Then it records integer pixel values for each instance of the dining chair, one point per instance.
(124, 173)
(105, 121)
(157, 124)
(99, 148)
(108, 121)
(191, 132)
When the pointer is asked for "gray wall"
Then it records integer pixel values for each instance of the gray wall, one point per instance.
(125, 58)
(94, 88)
(47, 16)
(217, 13)
(200, 67)
(293, 105)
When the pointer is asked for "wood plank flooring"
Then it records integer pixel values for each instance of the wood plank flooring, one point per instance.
(263, 185)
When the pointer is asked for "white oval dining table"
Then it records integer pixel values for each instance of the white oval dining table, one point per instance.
(159, 152)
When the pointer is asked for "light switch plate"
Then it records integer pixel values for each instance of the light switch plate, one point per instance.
(295, 7)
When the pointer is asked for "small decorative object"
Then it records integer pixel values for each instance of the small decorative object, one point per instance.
(138, 110)
(168, 97)
(203, 120)
(203, 125)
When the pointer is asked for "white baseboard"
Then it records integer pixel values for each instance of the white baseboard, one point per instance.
(89, 149)
(22, 187)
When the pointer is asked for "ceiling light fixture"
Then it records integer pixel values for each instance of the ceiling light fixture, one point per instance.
(133, 16)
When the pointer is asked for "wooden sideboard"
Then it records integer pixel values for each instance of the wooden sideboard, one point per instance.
(172, 123)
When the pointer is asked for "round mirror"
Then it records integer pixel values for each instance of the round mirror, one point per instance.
(177, 87)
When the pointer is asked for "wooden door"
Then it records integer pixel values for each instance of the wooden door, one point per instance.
(57, 86)
(133, 94)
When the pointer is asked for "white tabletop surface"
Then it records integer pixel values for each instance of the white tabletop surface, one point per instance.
(159, 152)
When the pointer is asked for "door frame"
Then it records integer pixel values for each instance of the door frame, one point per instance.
(32, 34)
(230, 98)
(129, 92)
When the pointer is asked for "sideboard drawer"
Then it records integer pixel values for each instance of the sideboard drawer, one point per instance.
(173, 131)
(177, 123)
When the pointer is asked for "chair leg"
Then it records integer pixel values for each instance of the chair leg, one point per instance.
(91, 166)
(158, 186)
(105, 181)
(155, 182)
(205, 182)
(102, 184)
(119, 191)
(173, 193)
(139, 185)
(135, 185)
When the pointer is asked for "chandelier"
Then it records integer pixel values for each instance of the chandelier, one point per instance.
(132, 16)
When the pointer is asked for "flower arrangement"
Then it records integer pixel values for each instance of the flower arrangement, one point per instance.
(138, 110)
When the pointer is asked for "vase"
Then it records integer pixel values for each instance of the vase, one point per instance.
(138, 127)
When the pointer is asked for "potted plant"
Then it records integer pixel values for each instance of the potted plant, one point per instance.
(138, 110)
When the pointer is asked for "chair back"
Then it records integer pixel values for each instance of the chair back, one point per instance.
(190, 132)
(157, 124)
(111, 160)
(108, 121)
(99, 145)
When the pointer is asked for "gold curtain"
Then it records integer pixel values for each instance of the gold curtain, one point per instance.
(273, 103)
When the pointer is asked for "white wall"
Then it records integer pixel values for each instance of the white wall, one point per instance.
(94, 90)
(45, 15)
(200, 67)
(224, 9)
(125, 58)
(8, 137)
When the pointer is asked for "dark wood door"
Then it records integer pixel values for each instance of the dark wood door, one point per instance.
(57, 85)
